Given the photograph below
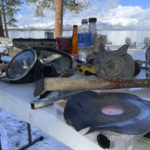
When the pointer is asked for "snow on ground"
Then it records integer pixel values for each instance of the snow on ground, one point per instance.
(17, 134)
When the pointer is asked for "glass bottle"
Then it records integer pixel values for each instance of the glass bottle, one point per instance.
(74, 50)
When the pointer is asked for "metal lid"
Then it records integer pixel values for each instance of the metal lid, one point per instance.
(92, 20)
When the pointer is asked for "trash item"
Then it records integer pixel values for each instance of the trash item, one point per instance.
(93, 30)
(146, 137)
(138, 63)
(6, 59)
(49, 35)
(61, 61)
(147, 55)
(64, 44)
(24, 43)
(39, 88)
(92, 26)
(113, 141)
(52, 84)
(103, 141)
(39, 85)
(114, 64)
(137, 68)
(2, 48)
(3, 66)
(74, 50)
(118, 112)
(22, 67)
(32, 64)
(91, 58)
(141, 63)
(49, 101)
(13, 51)
(86, 70)
(85, 40)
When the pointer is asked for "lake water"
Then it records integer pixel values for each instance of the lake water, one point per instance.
(116, 37)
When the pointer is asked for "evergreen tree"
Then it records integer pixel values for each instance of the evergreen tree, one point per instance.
(59, 6)
(8, 10)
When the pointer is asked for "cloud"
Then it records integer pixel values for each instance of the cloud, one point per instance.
(27, 17)
(109, 11)
(125, 16)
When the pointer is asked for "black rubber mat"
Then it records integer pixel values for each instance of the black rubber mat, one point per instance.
(85, 109)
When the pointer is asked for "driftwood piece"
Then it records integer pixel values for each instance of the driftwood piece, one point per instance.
(51, 84)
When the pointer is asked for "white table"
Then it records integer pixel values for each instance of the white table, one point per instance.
(16, 98)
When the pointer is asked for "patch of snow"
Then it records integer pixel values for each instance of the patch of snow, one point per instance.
(17, 134)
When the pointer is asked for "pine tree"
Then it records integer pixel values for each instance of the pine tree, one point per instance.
(59, 6)
(8, 10)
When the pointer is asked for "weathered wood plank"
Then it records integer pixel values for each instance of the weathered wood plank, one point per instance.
(51, 84)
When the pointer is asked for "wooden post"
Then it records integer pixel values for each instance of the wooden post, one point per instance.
(1, 26)
(58, 17)
(4, 18)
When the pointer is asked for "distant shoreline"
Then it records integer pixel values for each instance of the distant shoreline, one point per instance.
(45, 29)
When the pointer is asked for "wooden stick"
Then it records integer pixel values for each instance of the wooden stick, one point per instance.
(51, 84)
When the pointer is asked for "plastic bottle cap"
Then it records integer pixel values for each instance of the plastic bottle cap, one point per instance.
(92, 20)
(84, 21)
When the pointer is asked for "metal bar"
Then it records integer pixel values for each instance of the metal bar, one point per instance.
(30, 138)
(0, 143)
(32, 143)
(49, 101)
(29, 133)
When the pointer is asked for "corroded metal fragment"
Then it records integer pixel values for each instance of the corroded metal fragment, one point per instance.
(116, 63)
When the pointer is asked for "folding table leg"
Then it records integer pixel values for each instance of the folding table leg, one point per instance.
(30, 142)
(0, 144)
(29, 133)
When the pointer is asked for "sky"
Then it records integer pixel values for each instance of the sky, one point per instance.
(145, 4)
(125, 13)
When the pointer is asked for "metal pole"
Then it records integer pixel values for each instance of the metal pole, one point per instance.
(29, 133)
(30, 139)
(0, 143)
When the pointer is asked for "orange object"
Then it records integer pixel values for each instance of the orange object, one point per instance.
(62, 103)
(74, 50)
